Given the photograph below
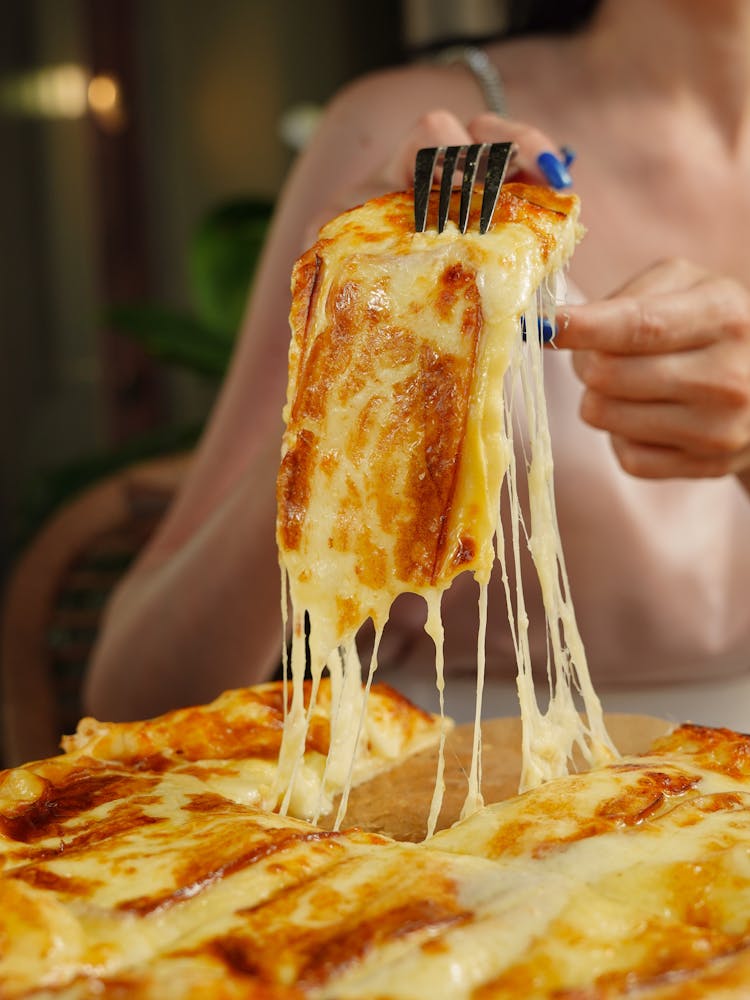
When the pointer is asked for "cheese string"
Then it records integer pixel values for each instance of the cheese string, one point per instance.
(549, 737)
(340, 672)
(284, 647)
(296, 720)
(474, 800)
(434, 628)
(344, 801)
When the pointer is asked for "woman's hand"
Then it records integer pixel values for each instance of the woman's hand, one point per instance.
(535, 160)
(666, 366)
(443, 128)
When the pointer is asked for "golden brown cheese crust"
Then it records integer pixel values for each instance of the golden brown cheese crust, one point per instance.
(387, 331)
(234, 743)
(246, 725)
(715, 749)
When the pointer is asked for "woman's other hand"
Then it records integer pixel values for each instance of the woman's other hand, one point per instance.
(665, 362)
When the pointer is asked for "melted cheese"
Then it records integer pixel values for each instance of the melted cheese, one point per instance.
(398, 438)
(235, 741)
(628, 880)
(107, 865)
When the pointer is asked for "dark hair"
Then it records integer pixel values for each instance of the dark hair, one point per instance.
(540, 16)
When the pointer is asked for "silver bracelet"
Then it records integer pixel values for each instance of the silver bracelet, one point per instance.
(481, 66)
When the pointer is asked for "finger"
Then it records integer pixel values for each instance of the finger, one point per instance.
(665, 378)
(622, 377)
(436, 128)
(711, 434)
(656, 324)
(710, 378)
(673, 274)
(653, 462)
(537, 156)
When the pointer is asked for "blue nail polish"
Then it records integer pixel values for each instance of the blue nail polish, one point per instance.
(547, 329)
(554, 170)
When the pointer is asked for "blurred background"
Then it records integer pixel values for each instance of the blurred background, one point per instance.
(125, 124)
(142, 146)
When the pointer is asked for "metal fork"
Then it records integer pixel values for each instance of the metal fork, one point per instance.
(492, 157)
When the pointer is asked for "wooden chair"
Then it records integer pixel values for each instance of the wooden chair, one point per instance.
(55, 597)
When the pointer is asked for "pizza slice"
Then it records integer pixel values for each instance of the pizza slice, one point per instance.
(394, 449)
(691, 768)
(655, 849)
(234, 741)
(407, 350)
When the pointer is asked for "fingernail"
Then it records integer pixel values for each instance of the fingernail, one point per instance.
(546, 328)
(554, 170)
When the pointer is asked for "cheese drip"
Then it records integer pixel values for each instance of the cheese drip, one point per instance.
(398, 441)
(549, 737)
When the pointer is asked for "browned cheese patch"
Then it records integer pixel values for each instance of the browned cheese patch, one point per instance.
(657, 951)
(346, 926)
(245, 723)
(653, 792)
(436, 399)
(228, 848)
(414, 402)
(721, 750)
(51, 881)
(68, 801)
(294, 488)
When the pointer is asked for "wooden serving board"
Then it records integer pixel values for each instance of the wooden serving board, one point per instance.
(397, 803)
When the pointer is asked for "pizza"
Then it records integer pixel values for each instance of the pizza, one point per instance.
(284, 842)
(143, 877)
(235, 741)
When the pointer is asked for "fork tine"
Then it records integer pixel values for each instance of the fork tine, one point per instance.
(446, 184)
(471, 164)
(497, 166)
(424, 169)
(468, 159)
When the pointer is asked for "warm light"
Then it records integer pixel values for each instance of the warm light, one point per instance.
(105, 102)
(66, 91)
(50, 92)
(103, 94)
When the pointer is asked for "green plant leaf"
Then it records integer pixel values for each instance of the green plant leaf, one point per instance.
(222, 258)
(174, 337)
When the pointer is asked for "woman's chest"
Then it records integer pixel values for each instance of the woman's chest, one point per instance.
(631, 223)
(655, 181)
